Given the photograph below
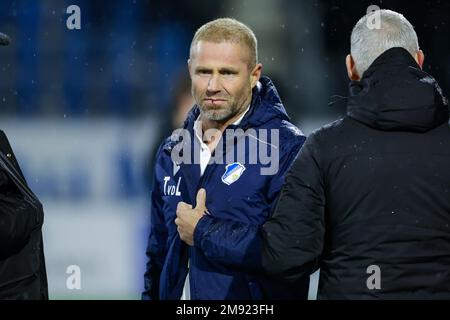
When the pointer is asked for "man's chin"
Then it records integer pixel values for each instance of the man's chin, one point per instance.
(216, 115)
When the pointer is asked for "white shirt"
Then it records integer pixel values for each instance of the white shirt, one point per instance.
(205, 156)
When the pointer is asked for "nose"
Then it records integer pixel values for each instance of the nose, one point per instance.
(213, 84)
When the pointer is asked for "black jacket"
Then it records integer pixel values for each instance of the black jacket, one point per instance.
(22, 265)
(371, 189)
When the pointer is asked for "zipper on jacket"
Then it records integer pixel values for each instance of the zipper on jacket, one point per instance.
(209, 168)
(201, 184)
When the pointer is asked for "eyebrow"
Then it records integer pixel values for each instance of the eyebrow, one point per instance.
(202, 69)
(221, 70)
(228, 69)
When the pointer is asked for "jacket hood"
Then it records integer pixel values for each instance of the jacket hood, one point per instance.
(394, 94)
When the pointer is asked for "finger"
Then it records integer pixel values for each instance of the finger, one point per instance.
(183, 206)
(201, 199)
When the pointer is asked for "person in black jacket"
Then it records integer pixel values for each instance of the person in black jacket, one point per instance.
(368, 198)
(22, 265)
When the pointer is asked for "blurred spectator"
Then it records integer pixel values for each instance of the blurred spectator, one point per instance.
(182, 102)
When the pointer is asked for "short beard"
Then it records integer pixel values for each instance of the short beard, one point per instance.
(222, 115)
(218, 114)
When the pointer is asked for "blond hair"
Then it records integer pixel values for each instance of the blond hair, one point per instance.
(228, 30)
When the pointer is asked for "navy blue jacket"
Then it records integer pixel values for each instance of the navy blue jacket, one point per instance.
(225, 261)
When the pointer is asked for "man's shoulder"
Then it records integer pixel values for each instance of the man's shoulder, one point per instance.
(330, 131)
(290, 130)
(163, 153)
(289, 134)
(290, 137)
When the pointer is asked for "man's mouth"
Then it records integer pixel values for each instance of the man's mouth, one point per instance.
(214, 101)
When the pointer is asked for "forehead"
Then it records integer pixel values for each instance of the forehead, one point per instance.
(221, 53)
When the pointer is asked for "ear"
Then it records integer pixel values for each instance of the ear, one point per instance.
(190, 67)
(420, 57)
(351, 68)
(256, 74)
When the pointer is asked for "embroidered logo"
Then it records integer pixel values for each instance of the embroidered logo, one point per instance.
(233, 172)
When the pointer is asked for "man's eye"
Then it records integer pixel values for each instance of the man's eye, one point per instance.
(228, 73)
(204, 72)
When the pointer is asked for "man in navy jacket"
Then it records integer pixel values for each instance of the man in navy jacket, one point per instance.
(218, 178)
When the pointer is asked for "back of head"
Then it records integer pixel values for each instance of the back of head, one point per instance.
(228, 30)
(397, 95)
(368, 41)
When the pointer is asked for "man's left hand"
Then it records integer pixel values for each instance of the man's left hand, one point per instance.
(188, 217)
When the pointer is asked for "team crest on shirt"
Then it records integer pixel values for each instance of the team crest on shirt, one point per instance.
(233, 172)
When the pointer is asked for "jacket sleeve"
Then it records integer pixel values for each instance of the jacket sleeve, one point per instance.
(18, 219)
(237, 244)
(293, 238)
(156, 248)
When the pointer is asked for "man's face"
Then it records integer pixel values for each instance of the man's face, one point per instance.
(221, 80)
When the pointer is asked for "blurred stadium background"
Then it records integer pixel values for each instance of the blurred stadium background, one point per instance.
(84, 109)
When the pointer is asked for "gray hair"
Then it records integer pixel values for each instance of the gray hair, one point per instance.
(394, 30)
